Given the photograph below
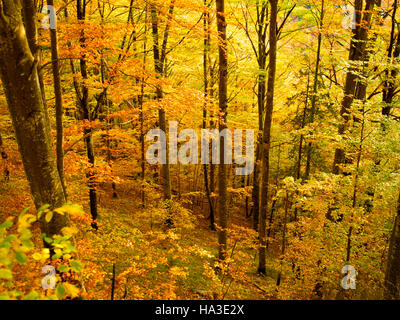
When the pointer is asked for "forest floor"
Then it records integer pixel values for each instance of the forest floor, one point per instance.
(151, 259)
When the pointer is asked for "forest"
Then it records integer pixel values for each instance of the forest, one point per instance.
(199, 150)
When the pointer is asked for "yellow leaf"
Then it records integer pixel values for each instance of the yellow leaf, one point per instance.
(49, 216)
(71, 290)
(69, 231)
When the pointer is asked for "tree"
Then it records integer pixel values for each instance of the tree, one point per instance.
(206, 53)
(160, 66)
(223, 109)
(354, 88)
(20, 78)
(59, 103)
(82, 94)
(266, 141)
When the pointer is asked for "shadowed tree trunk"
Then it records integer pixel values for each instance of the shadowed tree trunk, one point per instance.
(261, 54)
(159, 62)
(354, 88)
(59, 103)
(223, 109)
(266, 142)
(315, 89)
(83, 98)
(206, 52)
(20, 78)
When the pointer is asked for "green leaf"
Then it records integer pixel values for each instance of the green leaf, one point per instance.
(62, 268)
(48, 240)
(56, 256)
(6, 224)
(26, 234)
(60, 291)
(44, 207)
(5, 274)
(27, 244)
(70, 248)
(10, 238)
(21, 257)
(76, 266)
(23, 212)
(31, 296)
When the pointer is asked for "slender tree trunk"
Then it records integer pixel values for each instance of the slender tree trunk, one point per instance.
(206, 19)
(141, 119)
(357, 53)
(59, 104)
(159, 61)
(315, 89)
(393, 53)
(84, 104)
(267, 134)
(223, 109)
(262, 54)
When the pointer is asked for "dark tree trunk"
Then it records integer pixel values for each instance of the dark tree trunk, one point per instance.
(84, 105)
(262, 54)
(223, 109)
(159, 62)
(353, 87)
(267, 134)
(315, 89)
(20, 78)
(206, 24)
(59, 104)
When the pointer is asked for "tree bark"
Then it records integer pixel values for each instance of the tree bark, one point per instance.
(315, 89)
(223, 109)
(262, 54)
(206, 52)
(267, 135)
(20, 78)
(159, 62)
(353, 87)
(59, 104)
(393, 53)
(83, 98)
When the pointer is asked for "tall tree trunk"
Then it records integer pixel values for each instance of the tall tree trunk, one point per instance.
(159, 61)
(353, 85)
(141, 118)
(59, 103)
(389, 88)
(262, 54)
(84, 105)
(267, 134)
(20, 78)
(223, 110)
(315, 89)
(206, 52)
